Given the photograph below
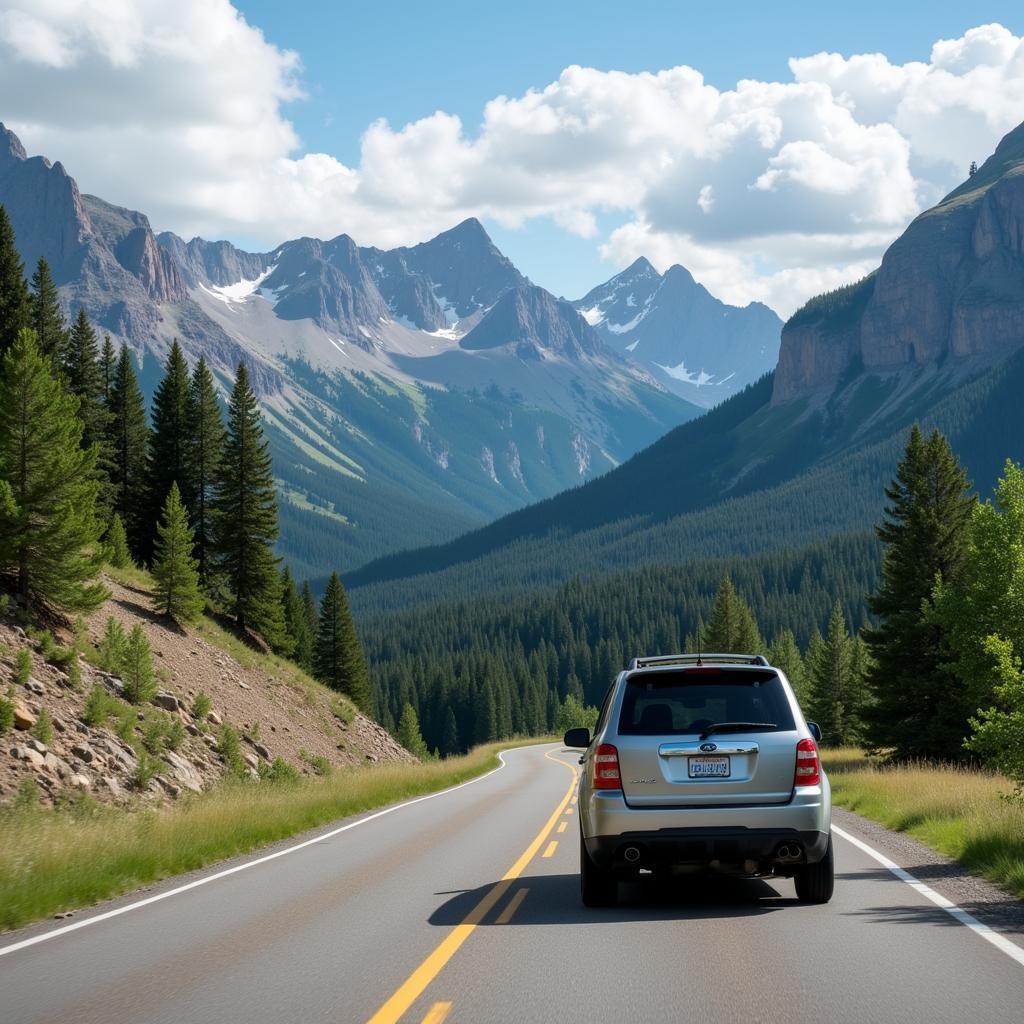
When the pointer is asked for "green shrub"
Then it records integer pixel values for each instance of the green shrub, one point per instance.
(137, 668)
(99, 706)
(145, 771)
(278, 770)
(112, 646)
(125, 726)
(229, 746)
(61, 656)
(201, 706)
(317, 762)
(154, 730)
(22, 667)
(74, 671)
(43, 729)
(6, 713)
(174, 737)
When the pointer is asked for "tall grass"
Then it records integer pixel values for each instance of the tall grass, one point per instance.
(53, 860)
(961, 812)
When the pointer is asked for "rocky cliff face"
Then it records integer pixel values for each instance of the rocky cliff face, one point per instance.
(104, 258)
(952, 286)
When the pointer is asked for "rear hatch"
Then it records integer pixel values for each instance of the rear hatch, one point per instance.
(669, 756)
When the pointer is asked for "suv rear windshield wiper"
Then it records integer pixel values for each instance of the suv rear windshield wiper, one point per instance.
(735, 727)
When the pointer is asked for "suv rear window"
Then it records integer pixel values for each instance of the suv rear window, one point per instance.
(663, 703)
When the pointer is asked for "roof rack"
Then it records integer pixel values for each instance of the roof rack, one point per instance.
(696, 659)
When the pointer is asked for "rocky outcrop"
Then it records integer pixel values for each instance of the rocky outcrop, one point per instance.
(534, 321)
(952, 286)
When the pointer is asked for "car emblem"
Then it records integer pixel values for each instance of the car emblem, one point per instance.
(708, 747)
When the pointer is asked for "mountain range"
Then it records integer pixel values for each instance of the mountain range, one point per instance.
(696, 345)
(934, 335)
(408, 394)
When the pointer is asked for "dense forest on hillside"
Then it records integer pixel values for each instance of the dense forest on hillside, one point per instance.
(489, 667)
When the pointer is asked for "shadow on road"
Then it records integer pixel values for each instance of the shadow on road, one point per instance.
(555, 899)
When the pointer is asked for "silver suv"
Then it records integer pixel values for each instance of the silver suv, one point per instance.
(703, 763)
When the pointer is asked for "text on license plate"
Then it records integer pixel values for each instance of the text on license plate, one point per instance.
(709, 767)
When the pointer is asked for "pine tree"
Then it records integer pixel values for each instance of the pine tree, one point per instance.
(296, 625)
(127, 438)
(924, 534)
(835, 698)
(312, 614)
(174, 569)
(409, 734)
(47, 316)
(732, 627)
(205, 454)
(245, 518)
(116, 545)
(137, 668)
(450, 737)
(49, 532)
(15, 304)
(82, 374)
(170, 442)
(108, 369)
(785, 654)
(339, 657)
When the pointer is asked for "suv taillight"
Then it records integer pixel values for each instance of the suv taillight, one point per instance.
(808, 767)
(606, 768)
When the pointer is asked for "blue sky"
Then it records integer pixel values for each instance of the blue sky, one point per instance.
(403, 61)
(774, 149)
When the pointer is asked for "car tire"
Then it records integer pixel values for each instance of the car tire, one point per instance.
(816, 882)
(598, 887)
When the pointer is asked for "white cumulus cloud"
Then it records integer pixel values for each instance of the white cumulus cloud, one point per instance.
(767, 191)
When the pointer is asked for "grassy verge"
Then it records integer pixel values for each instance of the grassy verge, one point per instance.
(53, 860)
(959, 812)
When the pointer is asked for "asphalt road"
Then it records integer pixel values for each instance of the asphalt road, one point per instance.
(463, 907)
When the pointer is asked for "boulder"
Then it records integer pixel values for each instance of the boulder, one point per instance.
(84, 752)
(34, 686)
(262, 751)
(193, 730)
(23, 718)
(112, 786)
(58, 765)
(184, 771)
(79, 781)
(214, 719)
(251, 759)
(167, 701)
(37, 745)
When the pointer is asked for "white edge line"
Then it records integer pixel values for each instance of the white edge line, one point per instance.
(1011, 949)
(25, 943)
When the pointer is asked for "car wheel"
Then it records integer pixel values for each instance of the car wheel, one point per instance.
(598, 887)
(815, 882)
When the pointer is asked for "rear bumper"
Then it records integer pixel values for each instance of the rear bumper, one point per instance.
(707, 846)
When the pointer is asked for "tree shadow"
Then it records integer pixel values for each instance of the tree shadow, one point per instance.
(555, 899)
(149, 614)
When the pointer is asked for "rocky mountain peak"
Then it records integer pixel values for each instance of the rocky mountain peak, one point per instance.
(951, 286)
(11, 149)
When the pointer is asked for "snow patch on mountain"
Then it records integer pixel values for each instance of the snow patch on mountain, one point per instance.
(238, 292)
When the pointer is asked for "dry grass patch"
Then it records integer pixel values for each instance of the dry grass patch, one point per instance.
(59, 860)
(964, 813)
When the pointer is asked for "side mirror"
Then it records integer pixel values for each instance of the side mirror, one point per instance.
(577, 738)
(815, 731)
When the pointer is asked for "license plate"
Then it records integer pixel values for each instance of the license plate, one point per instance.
(709, 767)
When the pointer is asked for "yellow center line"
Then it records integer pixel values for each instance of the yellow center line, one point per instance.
(561, 826)
(568, 810)
(552, 846)
(513, 905)
(437, 1013)
(412, 988)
